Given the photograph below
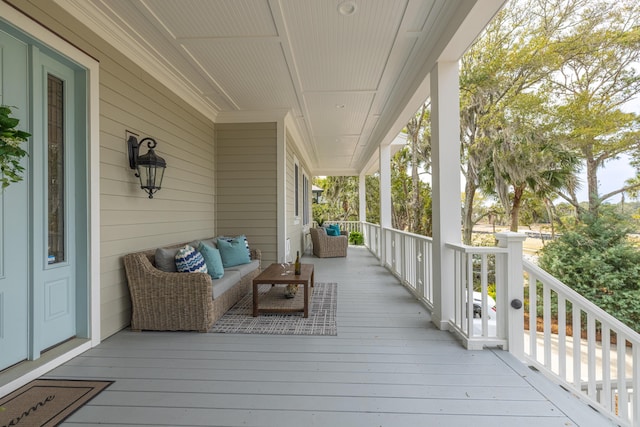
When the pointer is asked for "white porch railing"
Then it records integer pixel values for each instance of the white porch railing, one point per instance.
(473, 268)
(407, 256)
(599, 360)
(371, 233)
(349, 226)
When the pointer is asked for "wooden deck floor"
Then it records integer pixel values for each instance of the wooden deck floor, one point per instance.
(388, 366)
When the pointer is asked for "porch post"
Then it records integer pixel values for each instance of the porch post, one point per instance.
(362, 197)
(281, 191)
(385, 198)
(445, 155)
(512, 292)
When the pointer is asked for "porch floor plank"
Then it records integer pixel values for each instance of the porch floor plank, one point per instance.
(388, 366)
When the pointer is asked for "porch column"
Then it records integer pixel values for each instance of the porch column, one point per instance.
(385, 198)
(362, 197)
(445, 156)
(511, 297)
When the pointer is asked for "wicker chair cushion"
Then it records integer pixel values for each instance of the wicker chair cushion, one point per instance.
(189, 260)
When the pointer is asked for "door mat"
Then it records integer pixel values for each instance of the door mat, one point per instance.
(47, 402)
(321, 321)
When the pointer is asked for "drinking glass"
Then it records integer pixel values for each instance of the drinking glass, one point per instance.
(285, 266)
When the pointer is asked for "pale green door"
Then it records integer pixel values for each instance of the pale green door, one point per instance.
(40, 217)
(14, 220)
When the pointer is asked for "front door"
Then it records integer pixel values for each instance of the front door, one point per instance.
(39, 216)
(14, 224)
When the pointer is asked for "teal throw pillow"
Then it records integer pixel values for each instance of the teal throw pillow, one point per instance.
(332, 232)
(212, 259)
(188, 260)
(233, 251)
(335, 227)
(240, 237)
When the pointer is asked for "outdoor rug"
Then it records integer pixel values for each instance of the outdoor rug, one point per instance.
(47, 402)
(321, 320)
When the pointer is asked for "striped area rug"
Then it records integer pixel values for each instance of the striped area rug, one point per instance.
(321, 320)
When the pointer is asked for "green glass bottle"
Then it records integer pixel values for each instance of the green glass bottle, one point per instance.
(297, 266)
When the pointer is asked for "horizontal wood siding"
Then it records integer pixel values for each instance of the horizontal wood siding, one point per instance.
(295, 226)
(131, 100)
(246, 170)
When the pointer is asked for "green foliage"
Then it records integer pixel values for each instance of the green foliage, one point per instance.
(341, 198)
(372, 184)
(10, 151)
(356, 238)
(596, 259)
(408, 213)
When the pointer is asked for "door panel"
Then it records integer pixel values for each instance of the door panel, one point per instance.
(54, 247)
(14, 209)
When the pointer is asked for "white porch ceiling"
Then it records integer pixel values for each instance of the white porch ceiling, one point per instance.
(349, 82)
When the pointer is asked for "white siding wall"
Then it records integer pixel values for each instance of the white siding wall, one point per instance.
(130, 99)
(247, 184)
(295, 228)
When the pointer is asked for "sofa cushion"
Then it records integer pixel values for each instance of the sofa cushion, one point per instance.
(223, 284)
(165, 259)
(212, 259)
(240, 237)
(211, 242)
(233, 252)
(189, 260)
(245, 269)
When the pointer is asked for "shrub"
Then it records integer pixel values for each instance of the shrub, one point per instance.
(596, 259)
(356, 238)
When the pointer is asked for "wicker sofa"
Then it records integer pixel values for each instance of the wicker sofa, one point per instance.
(325, 246)
(165, 301)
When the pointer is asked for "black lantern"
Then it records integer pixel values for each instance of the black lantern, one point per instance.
(149, 167)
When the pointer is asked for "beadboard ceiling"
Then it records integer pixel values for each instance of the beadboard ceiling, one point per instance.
(348, 81)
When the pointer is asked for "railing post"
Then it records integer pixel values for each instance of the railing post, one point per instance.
(511, 294)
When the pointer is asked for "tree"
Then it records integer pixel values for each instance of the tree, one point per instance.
(372, 183)
(418, 136)
(405, 215)
(526, 159)
(499, 74)
(341, 194)
(596, 77)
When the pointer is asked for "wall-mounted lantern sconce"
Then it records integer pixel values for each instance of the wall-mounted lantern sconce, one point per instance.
(149, 167)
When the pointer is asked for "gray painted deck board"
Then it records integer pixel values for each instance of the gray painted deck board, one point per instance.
(388, 366)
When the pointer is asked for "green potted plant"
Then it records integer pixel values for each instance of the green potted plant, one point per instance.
(10, 151)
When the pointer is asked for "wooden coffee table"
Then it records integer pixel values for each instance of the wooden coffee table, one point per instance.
(272, 275)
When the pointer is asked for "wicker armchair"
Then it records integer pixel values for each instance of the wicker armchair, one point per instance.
(164, 301)
(325, 246)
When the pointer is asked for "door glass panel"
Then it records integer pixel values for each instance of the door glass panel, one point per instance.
(55, 179)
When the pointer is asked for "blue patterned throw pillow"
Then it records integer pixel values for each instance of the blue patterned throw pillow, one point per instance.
(189, 260)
